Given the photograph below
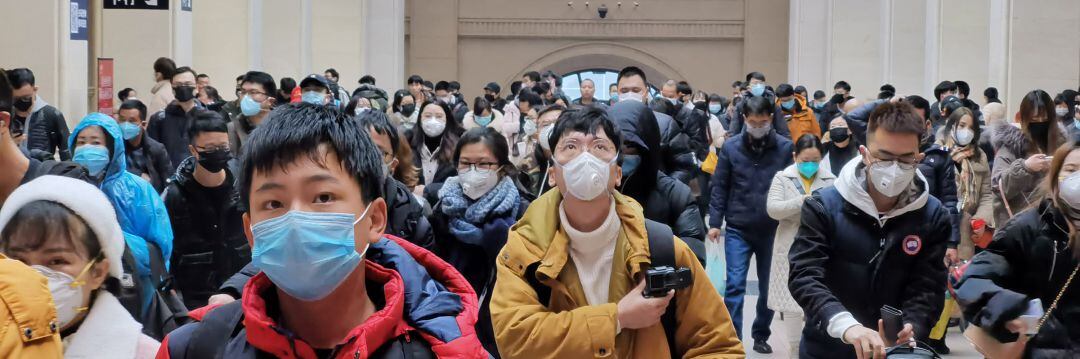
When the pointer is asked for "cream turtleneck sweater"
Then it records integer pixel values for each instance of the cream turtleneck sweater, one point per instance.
(593, 253)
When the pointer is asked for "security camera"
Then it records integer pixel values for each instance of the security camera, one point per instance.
(602, 10)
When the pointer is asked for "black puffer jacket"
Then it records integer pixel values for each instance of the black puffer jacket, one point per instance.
(170, 128)
(676, 155)
(940, 172)
(150, 158)
(1029, 258)
(48, 133)
(208, 231)
(845, 259)
(406, 215)
(665, 199)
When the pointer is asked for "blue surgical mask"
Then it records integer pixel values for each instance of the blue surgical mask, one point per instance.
(94, 157)
(630, 164)
(307, 254)
(757, 89)
(787, 105)
(130, 130)
(483, 121)
(249, 107)
(314, 97)
(808, 169)
(715, 108)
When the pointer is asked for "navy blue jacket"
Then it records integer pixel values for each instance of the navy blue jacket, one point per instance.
(740, 184)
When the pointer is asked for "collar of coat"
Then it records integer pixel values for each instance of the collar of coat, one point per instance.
(542, 239)
(108, 331)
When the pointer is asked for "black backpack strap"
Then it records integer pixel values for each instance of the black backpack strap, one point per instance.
(662, 253)
(214, 331)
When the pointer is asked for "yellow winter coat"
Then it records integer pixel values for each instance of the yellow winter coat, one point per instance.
(525, 328)
(28, 325)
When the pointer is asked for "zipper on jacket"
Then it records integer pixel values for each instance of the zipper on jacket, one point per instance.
(881, 248)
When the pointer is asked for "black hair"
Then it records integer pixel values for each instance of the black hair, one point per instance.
(991, 94)
(134, 105)
(202, 76)
(801, 90)
(784, 90)
(664, 107)
(887, 91)
(240, 77)
(35, 223)
(333, 73)
(480, 104)
(261, 78)
(587, 121)
(714, 97)
(515, 87)
(398, 96)
(808, 141)
(533, 76)
(897, 117)
(205, 121)
(758, 105)
(550, 109)
(442, 85)
(632, 71)
(954, 120)
(165, 66)
(491, 139)
(737, 84)
(453, 86)
(918, 102)
(5, 95)
(212, 92)
(184, 69)
(755, 75)
(963, 88)
(20, 77)
(842, 85)
(287, 83)
(380, 122)
(299, 130)
(531, 98)
(541, 88)
(415, 79)
(943, 87)
(683, 88)
(367, 79)
(819, 94)
(449, 136)
(428, 84)
(124, 94)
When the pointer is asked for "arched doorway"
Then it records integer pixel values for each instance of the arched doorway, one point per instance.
(604, 56)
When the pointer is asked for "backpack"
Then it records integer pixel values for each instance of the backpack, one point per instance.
(661, 253)
(164, 311)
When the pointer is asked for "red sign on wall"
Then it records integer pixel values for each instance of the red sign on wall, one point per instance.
(105, 86)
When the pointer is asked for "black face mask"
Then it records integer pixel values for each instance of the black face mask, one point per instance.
(407, 110)
(23, 104)
(184, 93)
(839, 134)
(214, 161)
(1039, 132)
(489, 98)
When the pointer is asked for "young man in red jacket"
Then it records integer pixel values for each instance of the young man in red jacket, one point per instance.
(332, 284)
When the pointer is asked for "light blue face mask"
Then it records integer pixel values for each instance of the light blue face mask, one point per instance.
(95, 158)
(630, 164)
(314, 97)
(307, 254)
(808, 169)
(787, 105)
(483, 121)
(715, 108)
(130, 130)
(249, 107)
(757, 89)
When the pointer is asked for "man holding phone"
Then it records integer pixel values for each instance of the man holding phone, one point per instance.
(874, 239)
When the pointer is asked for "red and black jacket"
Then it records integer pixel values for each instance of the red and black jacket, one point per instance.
(427, 304)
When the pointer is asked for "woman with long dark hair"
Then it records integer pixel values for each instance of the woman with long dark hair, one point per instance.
(434, 143)
(975, 200)
(1023, 156)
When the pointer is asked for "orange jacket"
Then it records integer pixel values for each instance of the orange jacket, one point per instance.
(28, 325)
(800, 119)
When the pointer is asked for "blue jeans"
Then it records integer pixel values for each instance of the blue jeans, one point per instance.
(739, 245)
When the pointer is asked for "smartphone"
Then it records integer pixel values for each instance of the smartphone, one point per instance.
(892, 319)
(1032, 315)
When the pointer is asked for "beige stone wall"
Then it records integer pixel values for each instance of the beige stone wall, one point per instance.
(707, 42)
(1014, 45)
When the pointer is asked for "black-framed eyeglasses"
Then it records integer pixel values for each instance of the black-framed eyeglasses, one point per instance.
(481, 166)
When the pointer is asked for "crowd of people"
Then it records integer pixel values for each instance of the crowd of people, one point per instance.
(300, 219)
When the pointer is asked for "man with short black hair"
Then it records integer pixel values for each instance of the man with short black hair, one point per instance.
(876, 238)
(146, 157)
(588, 95)
(942, 91)
(415, 85)
(256, 101)
(530, 79)
(339, 94)
(445, 95)
(201, 81)
(170, 125)
(315, 89)
(842, 88)
(331, 282)
(45, 130)
(757, 87)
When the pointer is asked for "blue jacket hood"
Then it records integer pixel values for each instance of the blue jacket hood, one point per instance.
(117, 162)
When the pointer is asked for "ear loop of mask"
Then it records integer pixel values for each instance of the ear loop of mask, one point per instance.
(76, 283)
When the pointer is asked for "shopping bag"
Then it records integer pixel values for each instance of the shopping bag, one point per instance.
(716, 268)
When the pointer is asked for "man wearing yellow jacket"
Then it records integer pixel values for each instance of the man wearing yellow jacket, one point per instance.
(585, 246)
